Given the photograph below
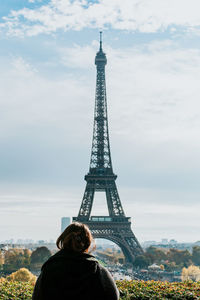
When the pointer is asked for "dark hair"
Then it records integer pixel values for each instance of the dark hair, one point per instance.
(76, 237)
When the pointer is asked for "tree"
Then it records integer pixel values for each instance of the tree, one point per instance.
(13, 259)
(191, 273)
(162, 267)
(171, 266)
(40, 255)
(160, 255)
(27, 257)
(2, 279)
(180, 257)
(1, 259)
(155, 254)
(196, 255)
(151, 250)
(22, 274)
(142, 261)
(17, 258)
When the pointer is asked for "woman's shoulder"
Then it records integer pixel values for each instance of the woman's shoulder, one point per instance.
(108, 283)
(103, 270)
(65, 256)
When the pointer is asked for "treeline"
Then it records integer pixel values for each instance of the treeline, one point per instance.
(171, 260)
(111, 255)
(14, 259)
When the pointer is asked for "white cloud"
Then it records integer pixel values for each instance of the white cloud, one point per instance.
(154, 212)
(22, 67)
(34, 1)
(153, 103)
(29, 99)
(154, 87)
(79, 56)
(144, 16)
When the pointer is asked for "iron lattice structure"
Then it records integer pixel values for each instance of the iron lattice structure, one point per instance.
(115, 227)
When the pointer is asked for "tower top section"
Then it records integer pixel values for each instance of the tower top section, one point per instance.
(100, 59)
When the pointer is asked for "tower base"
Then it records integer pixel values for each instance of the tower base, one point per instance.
(117, 230)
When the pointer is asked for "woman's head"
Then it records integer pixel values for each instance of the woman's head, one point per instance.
(76, 237)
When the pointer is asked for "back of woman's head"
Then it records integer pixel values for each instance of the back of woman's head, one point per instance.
(76, 237)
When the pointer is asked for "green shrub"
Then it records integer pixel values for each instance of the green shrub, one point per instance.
(15, 290)
(22, 274)
(158, 290)
(129, 290)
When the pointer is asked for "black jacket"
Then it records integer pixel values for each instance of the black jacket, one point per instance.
(69, 275)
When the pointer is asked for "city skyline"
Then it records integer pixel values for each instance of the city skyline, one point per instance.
(47, 92)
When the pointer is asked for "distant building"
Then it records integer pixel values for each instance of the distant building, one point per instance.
(173, 242)
(147, 244)
(41, 242)
(154, 267)
(65, 221)
(164, 241)
(197, 243)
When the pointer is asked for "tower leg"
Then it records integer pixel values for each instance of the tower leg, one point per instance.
(86, 205)
(121, 234)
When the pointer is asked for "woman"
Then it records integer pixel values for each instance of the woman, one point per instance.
(72, 273)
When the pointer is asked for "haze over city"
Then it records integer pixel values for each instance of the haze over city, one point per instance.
(47, 92)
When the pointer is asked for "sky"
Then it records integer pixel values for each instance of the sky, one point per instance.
(47, 92)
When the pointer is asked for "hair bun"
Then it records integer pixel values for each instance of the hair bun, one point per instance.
(76, 237)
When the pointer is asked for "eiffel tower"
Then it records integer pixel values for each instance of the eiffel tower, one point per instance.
(116, 227)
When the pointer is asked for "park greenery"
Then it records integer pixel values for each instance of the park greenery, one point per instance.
(22, 275)
(169, 259)
(15, 290)
(18, 283)
(129, 290)
(191, 273)
(14, 259)
(158, 290)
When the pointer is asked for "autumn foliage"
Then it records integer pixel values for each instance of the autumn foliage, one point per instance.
(23, 275)
(191, 273)
(15, 290)
(129, 290)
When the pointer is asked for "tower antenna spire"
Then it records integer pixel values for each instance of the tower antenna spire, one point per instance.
(100, 40)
